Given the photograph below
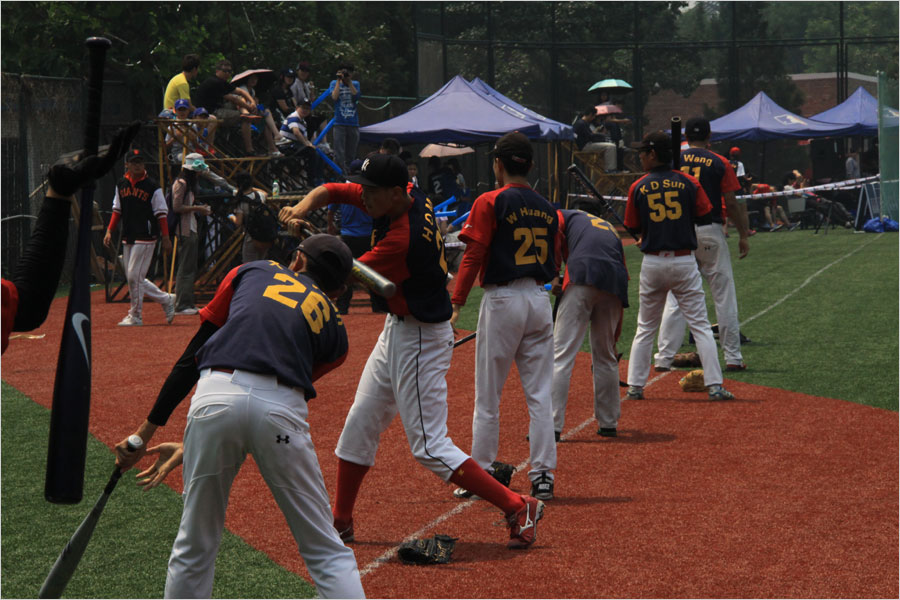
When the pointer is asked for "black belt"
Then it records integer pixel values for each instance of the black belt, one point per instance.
(674, 252)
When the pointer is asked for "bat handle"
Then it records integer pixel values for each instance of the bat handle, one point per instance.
(97, 47)
(134, 442)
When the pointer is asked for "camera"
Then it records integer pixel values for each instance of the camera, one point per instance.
(345, 73)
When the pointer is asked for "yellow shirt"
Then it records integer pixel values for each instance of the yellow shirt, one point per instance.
(178, 88)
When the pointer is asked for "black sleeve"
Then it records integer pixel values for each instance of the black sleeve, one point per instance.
(36, 275)
(182, 377)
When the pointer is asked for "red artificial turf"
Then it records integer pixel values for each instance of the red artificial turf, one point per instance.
(775, 494)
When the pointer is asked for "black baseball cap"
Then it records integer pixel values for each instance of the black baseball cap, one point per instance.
(655, 140)
(330, 260)
(696, 129)
(135, 154)
(515, 146)
(382, 170)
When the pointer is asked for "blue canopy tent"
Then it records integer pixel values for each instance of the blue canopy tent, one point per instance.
(456, 113)
(859, 112)
(550, 129)
(761, 120)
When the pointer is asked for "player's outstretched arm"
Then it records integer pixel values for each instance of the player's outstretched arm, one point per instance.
(317, 198)
(171, 454)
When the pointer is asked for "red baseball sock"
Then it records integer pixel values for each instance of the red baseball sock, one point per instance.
(349, 478)
(471, 477)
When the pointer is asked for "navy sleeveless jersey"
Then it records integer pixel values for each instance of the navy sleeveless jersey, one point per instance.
(663, 205)
(408, 250)
(716, 176)
(524, 239)
(593, 254)
(273, 322)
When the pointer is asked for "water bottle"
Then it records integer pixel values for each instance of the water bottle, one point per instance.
(276, 189)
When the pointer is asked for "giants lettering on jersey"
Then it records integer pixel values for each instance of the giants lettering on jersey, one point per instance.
(138, 220)
(523, 243)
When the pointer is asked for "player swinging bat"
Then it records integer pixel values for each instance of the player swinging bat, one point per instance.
(68, 559)
(384, 193)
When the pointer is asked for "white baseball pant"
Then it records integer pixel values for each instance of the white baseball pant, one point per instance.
(137, 258)
(514, 323)
(231, 415)
(659, 275)
(406, 373)
(714, 261)
(579, 306)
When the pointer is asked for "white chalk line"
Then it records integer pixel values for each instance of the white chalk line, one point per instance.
(808, 281)
(386, 556)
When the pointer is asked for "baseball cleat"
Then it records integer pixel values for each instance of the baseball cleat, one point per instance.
(607, 432)
(717, 392)
(659, 369)
(542, 487)
(169, 308)
(345, 530)
(740, 367)
(523, 523)
(463, 493)
(130, 321)
(191, 310)
(635, 392)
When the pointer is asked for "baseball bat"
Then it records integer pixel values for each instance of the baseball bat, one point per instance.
(67, 448)
(583, 179)
(676, 143)
(464, 339)
(68, 559)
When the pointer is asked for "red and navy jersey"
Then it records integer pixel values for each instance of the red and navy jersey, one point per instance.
(663, 205)
(140, 204)
(408, 250)
(593, 253)
(519, 227)
(715, 174)
(273, 322)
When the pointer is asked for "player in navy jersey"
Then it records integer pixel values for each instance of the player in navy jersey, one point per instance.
(266, 336)
(594, 291)
(720, 183)
(662, 207)
(510, 238)
(406, 371)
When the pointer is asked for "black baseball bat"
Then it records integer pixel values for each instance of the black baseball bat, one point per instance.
(676, 143)
(464, 339)
(67, 448)
(583, 180)
(68, 559)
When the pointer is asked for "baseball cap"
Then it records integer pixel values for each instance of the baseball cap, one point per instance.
(655, 140)
(135, 154)
(182, 103)
(515, 146)
(195, 162)
(734, 150)
(303, 66)
(355, 167)
(200, 112)
(382, 170)
(288, 72)
(330, 260)
(696, 129)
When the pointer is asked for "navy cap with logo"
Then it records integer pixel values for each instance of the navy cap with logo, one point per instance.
(515, 146)
(696, 129)
(330, 260)
(382, 170)
(134, 154)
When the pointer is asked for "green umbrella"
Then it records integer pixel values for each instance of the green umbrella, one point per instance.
(611, 85)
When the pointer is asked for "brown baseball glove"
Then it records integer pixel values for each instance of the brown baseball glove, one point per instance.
(693, 381)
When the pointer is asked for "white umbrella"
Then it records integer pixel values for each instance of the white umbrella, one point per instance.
(445, 150)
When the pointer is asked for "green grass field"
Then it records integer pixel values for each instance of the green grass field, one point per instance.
(834, 336)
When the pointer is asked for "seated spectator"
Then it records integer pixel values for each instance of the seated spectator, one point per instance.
(271, 134)
(294, 130)
(587, 140)
(179, 87)
(259, 221)
(177, 138)
(771, 209)
(220, 97)
(302, 88)
(205, 132)
(282, 97)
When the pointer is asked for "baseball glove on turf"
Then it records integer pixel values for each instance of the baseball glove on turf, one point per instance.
(693, 381)
(502, 472)
(687, 359)
(432, 551)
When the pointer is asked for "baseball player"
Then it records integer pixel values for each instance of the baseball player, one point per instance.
(719, 182)
(594, 291)
(406, 371)
(266, 336)
(661, 206)
(510, 238)
(141, 207)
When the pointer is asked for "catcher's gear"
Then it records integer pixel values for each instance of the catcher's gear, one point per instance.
(693, 381)
(687, 359)
(502, 472)
(432, 551)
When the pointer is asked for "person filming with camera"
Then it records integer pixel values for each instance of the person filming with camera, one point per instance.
(345, 93)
